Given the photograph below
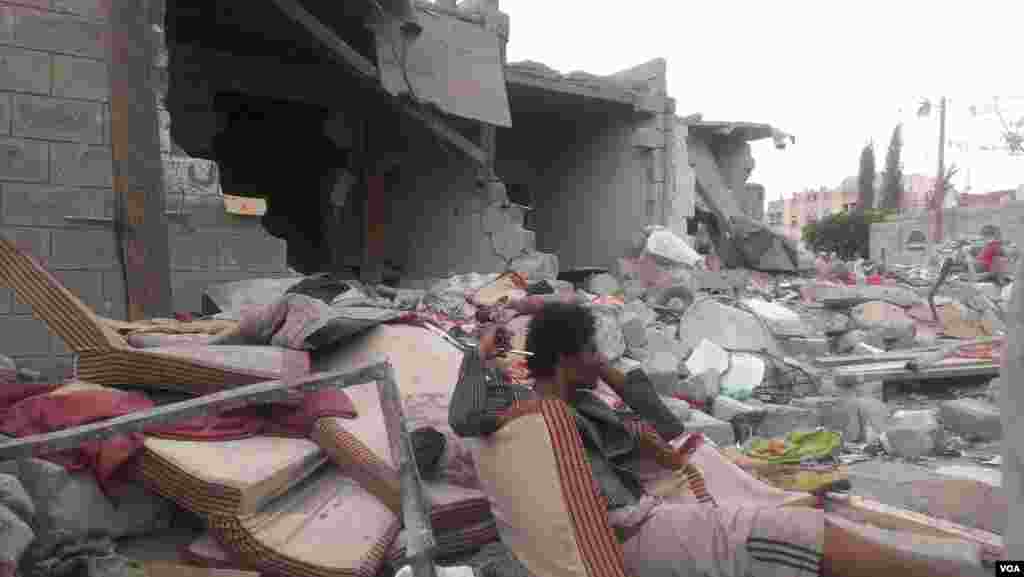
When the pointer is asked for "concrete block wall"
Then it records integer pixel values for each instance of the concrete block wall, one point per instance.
(55, 163)
(957, 222)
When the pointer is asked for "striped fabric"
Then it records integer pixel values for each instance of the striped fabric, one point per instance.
(104, 356)
(770, 557)
(598, 544)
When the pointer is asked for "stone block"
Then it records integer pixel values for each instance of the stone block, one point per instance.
(24, 160)
(84, 249)
(636, 316)
(24, 70)
(83, 78)
(780, 420)
(114, 305)
(88, 8)
(24, 336)
(64, 33)
(834, 414)
(57, 119)
(52, 369)
(34, 241)
(81, 165)
(254, 252)
(972, 418)
(31, 204)
(718, 431)
(198, 251)
(912, 434)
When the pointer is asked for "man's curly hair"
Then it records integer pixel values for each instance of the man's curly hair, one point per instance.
(558, 329)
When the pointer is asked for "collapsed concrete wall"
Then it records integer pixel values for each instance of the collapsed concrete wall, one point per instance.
(56, 195)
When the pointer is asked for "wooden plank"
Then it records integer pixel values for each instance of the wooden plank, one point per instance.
(887, 517)
(137, 163)
(338, 47)
(259, 393)
(419, 535)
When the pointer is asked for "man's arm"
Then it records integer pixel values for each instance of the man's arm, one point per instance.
(638, 392)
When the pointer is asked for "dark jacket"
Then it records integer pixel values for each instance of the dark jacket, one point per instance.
(481, 395)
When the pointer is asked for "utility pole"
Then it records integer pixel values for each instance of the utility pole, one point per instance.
(939, 196)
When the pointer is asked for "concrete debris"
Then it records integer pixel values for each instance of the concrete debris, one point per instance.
(610, 341)
(888, 320)
(835, 414)
(680, 408)
(728, 408)
(726, 326)
(873, 415)
(718, 431)
(780, 420)
(746, 373)
(662, 369)
(636, 316)
(912, 434)
(603, 284)
(536, 266)
(662, 244)
(16, 535)
(972, 418)
(14, 497)
(782, 321)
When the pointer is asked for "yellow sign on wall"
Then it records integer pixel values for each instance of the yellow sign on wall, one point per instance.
(244, 206)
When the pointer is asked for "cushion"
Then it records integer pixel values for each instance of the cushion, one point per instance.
(544, 498)
(266, 361)
(153, 340)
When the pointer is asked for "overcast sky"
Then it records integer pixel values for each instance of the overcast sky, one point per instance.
(834, 74)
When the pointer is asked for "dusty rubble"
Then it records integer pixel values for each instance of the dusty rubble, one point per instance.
(738, 356)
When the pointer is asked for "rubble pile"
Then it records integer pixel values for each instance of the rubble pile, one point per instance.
(792, 372)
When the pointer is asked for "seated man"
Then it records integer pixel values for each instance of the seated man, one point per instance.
(659, 538)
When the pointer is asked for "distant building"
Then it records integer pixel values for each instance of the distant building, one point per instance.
(992, 199)
(802, 208)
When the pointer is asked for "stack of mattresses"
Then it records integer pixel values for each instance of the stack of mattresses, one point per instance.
(214, 478)
(273, 505)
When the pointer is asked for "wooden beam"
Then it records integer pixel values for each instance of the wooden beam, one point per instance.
(337, 47)
(447, 133)
(137, 163)
(259, 393)
(419, 535)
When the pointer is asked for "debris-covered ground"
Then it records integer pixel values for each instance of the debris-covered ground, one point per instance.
(811, 383)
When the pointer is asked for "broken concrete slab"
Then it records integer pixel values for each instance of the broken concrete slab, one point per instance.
(718, 431)
(680, 408)
(972, 418)
(780, 420)
(891, 321)
(912, 434)
(727, 409)
(834, 414)
(726, 326)
(781, 320)
(835, 296)
(805, 347)
(15, 537)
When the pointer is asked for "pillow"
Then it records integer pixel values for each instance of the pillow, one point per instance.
(544, 497)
